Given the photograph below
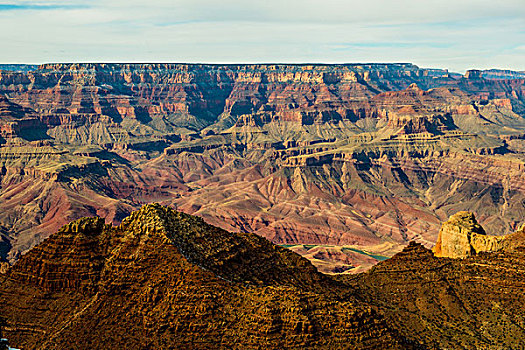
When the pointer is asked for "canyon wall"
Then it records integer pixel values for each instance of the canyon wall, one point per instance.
(341, 163)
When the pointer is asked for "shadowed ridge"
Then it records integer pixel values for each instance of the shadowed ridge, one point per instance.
(10, 111)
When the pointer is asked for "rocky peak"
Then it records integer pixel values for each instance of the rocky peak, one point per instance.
(461, 236)
(85, 246)
(414, 87)
(416, 247)
(71, 259)
(411, 258)
(466, 220)
(151, 218)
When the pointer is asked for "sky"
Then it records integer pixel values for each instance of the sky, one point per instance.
(453, 34)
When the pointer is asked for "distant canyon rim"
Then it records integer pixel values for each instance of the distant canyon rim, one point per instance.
(343, 164)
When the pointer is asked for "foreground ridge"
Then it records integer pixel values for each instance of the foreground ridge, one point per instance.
(164, 279)
(469, 303)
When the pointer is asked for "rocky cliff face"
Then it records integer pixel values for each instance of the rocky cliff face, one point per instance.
(347, 158)
(136, 100)
(462, 236)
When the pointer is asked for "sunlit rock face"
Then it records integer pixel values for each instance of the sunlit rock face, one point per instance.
(342, 163)
(461, 236)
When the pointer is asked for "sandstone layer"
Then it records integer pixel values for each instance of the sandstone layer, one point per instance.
(461, 236)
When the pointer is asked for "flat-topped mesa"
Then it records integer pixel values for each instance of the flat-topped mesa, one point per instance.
(461, 236)
(474, 74)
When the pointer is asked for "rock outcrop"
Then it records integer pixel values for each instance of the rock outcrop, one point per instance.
(461, 236)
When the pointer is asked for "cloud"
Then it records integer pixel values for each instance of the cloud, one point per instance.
(449, 34)
(323, 11)
(37, 7)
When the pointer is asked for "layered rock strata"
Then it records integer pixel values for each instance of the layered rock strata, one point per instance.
(165, 279)
(461, 236)
(348, 158)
